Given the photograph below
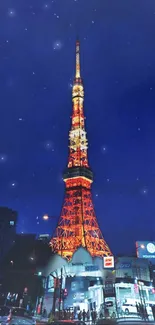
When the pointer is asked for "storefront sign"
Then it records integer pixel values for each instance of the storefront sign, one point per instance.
(125, 265)
(109, 289)
(91, 268)
(109, 262)
(146, 250)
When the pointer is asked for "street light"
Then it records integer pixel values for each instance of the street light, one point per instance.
(46, 217)
(139, 246)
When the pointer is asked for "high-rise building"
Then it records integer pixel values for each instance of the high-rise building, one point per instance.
(78, 225)
(8, 221)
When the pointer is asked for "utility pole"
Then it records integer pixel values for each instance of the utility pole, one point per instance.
(60, 296)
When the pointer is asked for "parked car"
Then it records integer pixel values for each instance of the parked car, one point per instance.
(15, 316)
(5, 313)
(130, 308)
(20, 316)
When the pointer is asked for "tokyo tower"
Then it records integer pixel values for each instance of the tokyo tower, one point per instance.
(78, 225)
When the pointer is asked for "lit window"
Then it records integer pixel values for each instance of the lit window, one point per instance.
(12, 223)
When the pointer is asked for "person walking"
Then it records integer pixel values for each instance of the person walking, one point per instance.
(92, 316)
(88, 315)
(83, 315)
(80, 315)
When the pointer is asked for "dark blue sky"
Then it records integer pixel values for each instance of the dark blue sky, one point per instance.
(37, 64)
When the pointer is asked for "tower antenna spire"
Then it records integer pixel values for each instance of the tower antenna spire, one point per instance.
(77, 73)
(78, 224)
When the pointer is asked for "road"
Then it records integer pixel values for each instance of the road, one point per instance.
(122, 321)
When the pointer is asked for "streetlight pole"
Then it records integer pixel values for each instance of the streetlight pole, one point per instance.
(60, 296)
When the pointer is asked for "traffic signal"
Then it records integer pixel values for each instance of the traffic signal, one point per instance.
(64, 293)
(56, 283)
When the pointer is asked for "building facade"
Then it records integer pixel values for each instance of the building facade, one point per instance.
(84, 283)
(8, 222)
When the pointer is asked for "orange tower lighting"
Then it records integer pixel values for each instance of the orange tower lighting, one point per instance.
(78, 225)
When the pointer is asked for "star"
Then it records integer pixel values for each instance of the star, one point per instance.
(96, 194)
(25, 29)
(46, 6)
(103, 149)
(93, 21)
(108, 180)
(13, 184)
(11, 12)
(3, 158)
(138, 129)
(48, 145)
(20, 119)
(33, 73)
(144, 191)
(57, 45)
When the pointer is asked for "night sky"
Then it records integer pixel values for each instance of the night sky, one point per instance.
(37, 65)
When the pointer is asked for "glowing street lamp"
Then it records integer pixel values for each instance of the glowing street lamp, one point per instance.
(46, 217)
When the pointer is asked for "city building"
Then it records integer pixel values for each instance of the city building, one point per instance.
(133, 283)
(77, 284)
(21, 276)
(146, 250)
(44, 238)
(8, 222)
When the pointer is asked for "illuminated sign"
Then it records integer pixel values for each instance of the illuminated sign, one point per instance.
(146, 249)
(109, 262)
(125, 265)
(91, 268)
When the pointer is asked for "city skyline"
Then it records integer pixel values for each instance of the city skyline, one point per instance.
(37, 55)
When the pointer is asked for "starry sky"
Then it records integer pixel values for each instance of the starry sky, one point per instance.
(37, 65)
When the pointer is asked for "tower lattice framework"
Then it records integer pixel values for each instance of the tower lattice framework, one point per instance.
(78, 225)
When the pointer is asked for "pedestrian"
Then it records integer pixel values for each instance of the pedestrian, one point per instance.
(92, 316)
(153, 311)
(95, 316)
(84, 315)
(44, 313)
(65, 314)
(88, 315)
(80, 315)
(138, 309)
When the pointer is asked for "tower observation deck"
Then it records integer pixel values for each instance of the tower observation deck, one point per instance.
(78, 225)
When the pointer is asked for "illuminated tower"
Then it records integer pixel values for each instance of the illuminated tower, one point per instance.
(78, 225)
